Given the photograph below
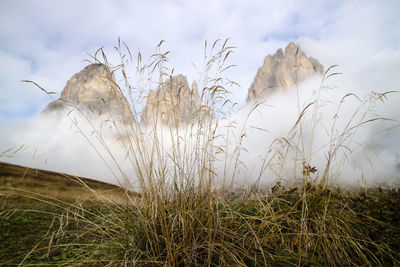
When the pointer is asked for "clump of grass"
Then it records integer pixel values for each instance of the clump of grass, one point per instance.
(184, 218)
(106, 234)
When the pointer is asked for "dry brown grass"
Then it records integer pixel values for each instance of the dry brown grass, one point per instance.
(184, 219)
(21, 184)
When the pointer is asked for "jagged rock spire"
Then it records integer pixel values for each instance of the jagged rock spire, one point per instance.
(283, 70)
(173, 103)
(93, 90)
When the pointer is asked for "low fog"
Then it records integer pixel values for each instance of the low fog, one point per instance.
(370, 155)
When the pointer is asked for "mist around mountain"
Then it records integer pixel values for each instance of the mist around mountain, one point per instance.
(94, 90)
(92, 111)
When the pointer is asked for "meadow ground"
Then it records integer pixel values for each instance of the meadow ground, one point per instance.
(48, 219)
(32, 205)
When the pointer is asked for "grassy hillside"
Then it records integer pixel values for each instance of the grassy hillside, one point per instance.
(50, 218)
(20, 184)
(33, 204)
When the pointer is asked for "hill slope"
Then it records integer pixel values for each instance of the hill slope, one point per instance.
(17, 181)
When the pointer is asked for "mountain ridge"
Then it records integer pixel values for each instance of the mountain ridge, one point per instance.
(94, 89)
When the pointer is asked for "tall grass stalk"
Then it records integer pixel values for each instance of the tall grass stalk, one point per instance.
(185, 215)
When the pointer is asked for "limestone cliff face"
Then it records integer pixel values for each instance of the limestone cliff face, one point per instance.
(281, 71)
(173, 103)
(93, 91)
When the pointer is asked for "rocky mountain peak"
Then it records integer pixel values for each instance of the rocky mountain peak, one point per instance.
(283, 70)
(291, 48)
(173, 103)
(90, 83)
(94, 91)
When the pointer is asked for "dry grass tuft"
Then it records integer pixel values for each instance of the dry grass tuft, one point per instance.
(184, 218)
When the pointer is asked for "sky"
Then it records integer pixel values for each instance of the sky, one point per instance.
(49, 41)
